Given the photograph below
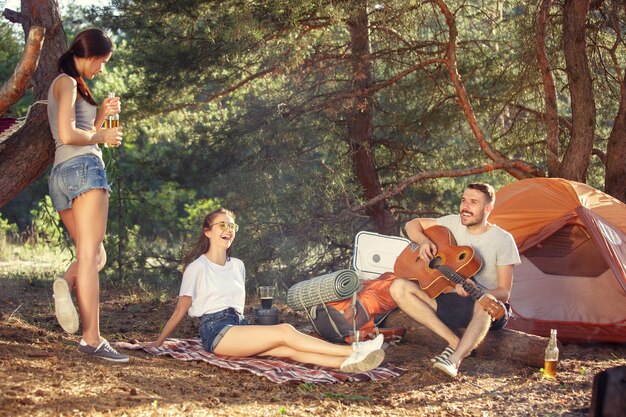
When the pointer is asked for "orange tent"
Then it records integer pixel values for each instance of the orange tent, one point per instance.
(572, 241)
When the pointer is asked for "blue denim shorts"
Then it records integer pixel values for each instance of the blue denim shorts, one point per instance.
(213, 326)
(74, 177)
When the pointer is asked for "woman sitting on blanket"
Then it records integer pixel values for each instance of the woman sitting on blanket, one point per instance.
(213, 289)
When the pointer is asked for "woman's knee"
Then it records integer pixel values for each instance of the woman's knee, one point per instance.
(286, 331)
(286, 328)
(89, 255)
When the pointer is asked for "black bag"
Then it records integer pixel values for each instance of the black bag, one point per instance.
(608, 398)
(365, 311)
(334, 322)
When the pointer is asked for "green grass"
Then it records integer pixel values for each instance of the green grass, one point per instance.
(36, 265)
(32, 260)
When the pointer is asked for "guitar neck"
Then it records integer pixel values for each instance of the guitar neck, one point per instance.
(474, 291)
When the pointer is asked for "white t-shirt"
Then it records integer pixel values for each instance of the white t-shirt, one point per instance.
(495, 247)
(214, 287)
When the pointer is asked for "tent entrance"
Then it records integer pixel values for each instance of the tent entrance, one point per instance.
(570, 251)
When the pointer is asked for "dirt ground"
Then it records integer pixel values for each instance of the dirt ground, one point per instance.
(43, 374)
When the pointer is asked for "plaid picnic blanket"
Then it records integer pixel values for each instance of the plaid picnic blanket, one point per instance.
(276, 370)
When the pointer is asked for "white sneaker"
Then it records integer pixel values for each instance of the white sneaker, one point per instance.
(64, 307)
(363, 361)
(447, 367)
(443, 355)
(369, 345)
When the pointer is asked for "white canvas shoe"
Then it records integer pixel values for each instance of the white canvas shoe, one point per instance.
(443, 355)
(64, 306)
(369, 345)
(363, 361)
(447, 367)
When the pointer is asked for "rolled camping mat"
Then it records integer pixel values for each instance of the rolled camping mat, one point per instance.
(335, 286)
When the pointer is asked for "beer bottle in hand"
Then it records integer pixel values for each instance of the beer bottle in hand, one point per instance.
(111, 120)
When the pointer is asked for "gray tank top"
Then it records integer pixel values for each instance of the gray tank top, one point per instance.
(84, 116)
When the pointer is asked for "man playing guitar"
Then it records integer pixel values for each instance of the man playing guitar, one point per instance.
(455, 309)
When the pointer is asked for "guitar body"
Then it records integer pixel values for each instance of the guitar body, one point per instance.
(459, 258)
(450, 266)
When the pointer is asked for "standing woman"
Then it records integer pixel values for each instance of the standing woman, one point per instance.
(213, 289)
(78, 184)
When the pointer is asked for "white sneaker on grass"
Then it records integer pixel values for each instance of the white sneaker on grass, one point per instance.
(64, 309)
(369, 345)
(102, 351)
(361, 361)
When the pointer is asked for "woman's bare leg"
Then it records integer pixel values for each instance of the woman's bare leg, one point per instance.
(87, 218)
(272, 340)
(306, 357)
(67, 217)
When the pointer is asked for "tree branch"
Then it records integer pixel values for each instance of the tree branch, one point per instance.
(222, 93)
(466, 105)
(601, 155)
(563, 121)
(452, 173)
(14, 88)
(16, 17)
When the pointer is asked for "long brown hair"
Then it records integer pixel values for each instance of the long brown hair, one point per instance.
(203, 243)
(90, 43)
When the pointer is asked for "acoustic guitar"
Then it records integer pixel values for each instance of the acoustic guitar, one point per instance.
(451, 265)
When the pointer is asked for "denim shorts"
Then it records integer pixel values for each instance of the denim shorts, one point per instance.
(75, 177)
(213, 326)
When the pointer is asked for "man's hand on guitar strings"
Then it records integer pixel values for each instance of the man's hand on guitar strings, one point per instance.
(458, 288)
(428, 249)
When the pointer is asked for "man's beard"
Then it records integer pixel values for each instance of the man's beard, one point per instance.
(473, 220)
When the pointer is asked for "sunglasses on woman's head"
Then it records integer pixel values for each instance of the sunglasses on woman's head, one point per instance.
(225, 226)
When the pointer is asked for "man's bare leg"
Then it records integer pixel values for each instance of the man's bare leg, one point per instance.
(420, 307)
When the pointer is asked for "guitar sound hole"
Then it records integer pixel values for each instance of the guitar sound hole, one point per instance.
(462, 256)
(435, 262)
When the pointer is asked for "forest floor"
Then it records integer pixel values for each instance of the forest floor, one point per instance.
(43, 374)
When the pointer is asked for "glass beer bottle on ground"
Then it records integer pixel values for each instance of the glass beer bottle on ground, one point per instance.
(551, 358)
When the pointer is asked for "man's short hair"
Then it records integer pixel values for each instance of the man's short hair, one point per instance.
(484, 188)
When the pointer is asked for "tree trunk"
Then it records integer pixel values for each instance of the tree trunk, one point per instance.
(27, 153)
(615, 170)
(360, 123)
(505, 344)
(576, 159)
(549, 90)
(615, 167)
